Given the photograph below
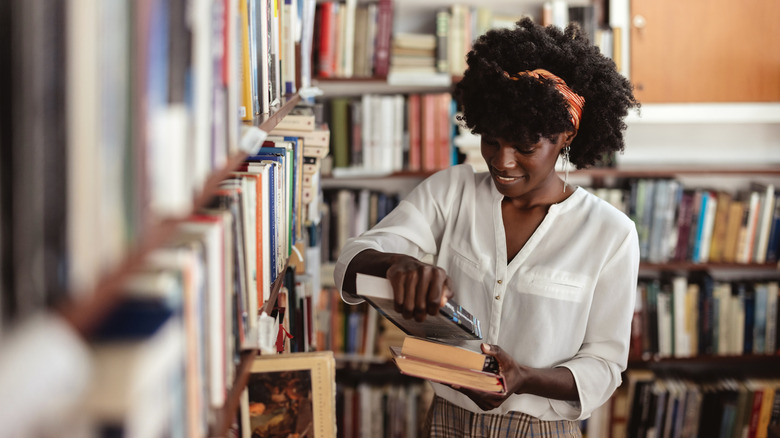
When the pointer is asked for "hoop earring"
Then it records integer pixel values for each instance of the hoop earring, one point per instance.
(565, 167)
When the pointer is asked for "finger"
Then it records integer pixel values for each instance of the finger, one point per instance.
(412, 290)
(448, 292)
(492, 350)
(436, 291)
(399, 290)
(423, 286)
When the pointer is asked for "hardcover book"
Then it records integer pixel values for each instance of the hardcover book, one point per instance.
(465, 368)
(452, 321)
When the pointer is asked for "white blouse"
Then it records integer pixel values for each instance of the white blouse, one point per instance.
(565, 300)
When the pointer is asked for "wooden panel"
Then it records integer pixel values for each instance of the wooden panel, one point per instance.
(706, 50)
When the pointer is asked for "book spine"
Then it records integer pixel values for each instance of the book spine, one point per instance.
(289, 23)
(383, 35)
(442, 31)
(413, 127)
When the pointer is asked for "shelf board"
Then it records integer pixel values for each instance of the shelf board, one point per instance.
(267, 122)
(713, 365)
(88, 308)
(359, 86)
(691, 266)
(669, 171)
(705, 113)
(628, 171)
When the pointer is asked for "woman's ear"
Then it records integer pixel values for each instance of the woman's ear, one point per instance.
(568, 137)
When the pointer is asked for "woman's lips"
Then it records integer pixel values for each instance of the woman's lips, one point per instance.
(507, 179)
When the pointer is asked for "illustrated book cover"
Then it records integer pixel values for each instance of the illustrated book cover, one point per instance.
(293, 394)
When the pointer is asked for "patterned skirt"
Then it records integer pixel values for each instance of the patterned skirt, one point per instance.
(446, 420)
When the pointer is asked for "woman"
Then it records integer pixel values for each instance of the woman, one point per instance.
(549, 269)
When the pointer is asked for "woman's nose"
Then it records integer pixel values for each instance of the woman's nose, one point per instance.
(504, 157)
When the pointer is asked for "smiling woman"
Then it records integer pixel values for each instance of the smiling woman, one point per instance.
(552, 269)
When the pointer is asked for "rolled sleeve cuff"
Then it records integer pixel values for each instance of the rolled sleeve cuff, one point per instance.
(596, 381)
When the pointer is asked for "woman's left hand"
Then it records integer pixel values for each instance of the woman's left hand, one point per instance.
(514, 376)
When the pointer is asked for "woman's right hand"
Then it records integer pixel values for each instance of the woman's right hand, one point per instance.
(419, 288)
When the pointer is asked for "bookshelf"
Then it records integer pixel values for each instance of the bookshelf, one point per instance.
(701, 139)
(84, 314)
(134, 161)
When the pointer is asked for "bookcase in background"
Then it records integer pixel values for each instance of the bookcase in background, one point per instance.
(684, 141)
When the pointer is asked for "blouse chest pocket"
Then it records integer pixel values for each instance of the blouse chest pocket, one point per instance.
(557, 285)
(463, 264)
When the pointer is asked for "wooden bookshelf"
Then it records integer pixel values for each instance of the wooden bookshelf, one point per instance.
(85, 313)
(714, 365)
(671, 171)
(644, 171)
(691, 266)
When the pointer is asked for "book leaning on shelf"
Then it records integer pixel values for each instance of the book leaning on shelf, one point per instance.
(448, 364)
(290, 395)
(452, 321)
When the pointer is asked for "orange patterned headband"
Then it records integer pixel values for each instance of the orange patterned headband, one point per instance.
(576, 102)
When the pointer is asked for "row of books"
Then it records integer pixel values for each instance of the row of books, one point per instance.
(135, 105)
(275, 40)
(348, 213)
(359, 39)
(685, 317)
(166, 356)
(353, 40)
(381, 134)
(382, 410)
(349, 330)
(665, 406)
(679, 223)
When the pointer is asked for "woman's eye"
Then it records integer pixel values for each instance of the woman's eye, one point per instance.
(525, 150)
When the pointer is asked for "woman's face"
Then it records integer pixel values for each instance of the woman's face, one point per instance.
(522, 170)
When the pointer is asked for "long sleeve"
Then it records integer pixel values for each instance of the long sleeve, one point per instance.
(598, 365)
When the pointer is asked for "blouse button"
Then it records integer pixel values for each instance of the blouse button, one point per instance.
(500, 281)
(498, 297)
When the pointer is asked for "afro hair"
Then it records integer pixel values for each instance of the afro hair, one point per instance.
(527, 109)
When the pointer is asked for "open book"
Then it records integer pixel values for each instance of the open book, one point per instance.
(452, 321)
(448, 364)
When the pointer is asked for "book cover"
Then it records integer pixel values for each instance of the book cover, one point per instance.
(447, 373)
(293, 395)
(452, 321)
